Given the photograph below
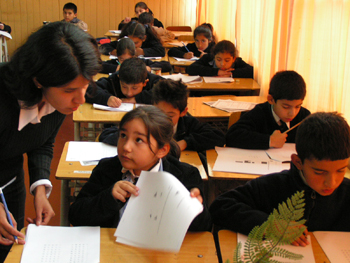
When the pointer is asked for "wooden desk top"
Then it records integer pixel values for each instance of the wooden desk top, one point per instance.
(112, 36)
(75, 171)
(174, 43)
(196, 247)
(100, 75)
(228, 243)
(174, 62)
(211, 158)
(239, 84)
(199, 110)
(182, 33)
(86, 113)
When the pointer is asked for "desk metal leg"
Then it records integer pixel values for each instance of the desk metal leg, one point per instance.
(65, 196)
(76, 131)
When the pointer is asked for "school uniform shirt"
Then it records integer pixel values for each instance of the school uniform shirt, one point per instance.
(95, 205)
(156, 23)
(249, 205)
(106, 87)
(151, 48)
(179, 52)
(253, 129)
(205, 66)
(199, 136)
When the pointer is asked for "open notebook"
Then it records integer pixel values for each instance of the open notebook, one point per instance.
(184, 78)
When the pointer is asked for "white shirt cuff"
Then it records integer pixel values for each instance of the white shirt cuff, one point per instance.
(46, 183)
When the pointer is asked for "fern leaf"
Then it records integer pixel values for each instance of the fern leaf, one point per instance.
(280, 252)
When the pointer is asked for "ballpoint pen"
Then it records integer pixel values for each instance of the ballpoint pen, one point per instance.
(185, 46)
(7, 212)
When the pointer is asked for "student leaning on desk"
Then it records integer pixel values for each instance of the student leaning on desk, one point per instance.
(38, 88)
(267, 124)
(318, 169)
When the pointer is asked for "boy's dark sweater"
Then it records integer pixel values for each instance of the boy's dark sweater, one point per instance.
(106, 87)
(249, 205)
(95, 205)
(179, 52)
(110, 66)
(151, 48)
(156, 23)
(253, 129)
(205, 67)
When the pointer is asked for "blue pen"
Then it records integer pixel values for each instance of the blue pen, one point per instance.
(7, 212)
(185, 46)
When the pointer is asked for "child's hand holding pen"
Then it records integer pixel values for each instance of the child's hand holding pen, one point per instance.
(189, 54)
(302, 240)
(123, 190)
(114, 102)
(8, 232)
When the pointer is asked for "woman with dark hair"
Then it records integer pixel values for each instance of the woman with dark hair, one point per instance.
(140, 8)
(45, 80)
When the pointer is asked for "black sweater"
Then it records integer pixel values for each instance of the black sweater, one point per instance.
(253, 129)
(95, 205)
(205, 67)
(179, 52)
(156, 23)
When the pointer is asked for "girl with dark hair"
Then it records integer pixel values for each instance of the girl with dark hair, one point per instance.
(140, 7)
(223, 62)
(204, 41)
(45, 80)
(145, 140)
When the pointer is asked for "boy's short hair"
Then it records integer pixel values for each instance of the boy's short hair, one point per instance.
(71, 6)
(323, 136)
(287, 85)
(172, 92)
(133, 71)
(146, 18)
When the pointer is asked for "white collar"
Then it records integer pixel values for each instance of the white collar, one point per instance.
(278, 119)
(156, 168)
(175, 128)
(33, 115)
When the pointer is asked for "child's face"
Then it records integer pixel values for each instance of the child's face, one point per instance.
(131, 90)
(139, 11)
(224, 60)
(201, 42)
(169, 110)
(123, 57)
(67, 98)
(286, 110)
(134, 151)
(137, 41)
(322, 176)
(68, 15)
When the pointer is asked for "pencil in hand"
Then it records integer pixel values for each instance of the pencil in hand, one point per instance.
(185, 46)
(7, 212)
(296, 125)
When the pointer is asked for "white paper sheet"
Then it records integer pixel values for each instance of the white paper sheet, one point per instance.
(159, 217)
(237, 160)
(184, 78)
(123, 107)
(218, 79)
(231, 105)
(186, 59)
(336, 245)
(307, 251)
(89, 151)
(115, 31)
(151, 58)
(6, 34)
(282, 154)
(61, 244)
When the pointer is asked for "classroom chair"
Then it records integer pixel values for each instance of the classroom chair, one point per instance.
(179, 28)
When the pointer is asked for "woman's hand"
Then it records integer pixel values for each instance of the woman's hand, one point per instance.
(43, 208)
(124, 189)
(126, 20)
(7, 232)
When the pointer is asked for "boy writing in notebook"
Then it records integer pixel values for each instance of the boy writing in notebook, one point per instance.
(132, 85)
(70, 12)
(318, 169)
(268, 123)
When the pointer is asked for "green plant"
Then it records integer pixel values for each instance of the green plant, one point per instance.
(283, 226)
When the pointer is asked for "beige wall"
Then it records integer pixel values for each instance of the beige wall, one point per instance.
(25, 16)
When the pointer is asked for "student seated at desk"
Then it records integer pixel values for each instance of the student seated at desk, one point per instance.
(140, 8)
(191, 134)
(126, 49)
(204, 42)
(132, 85)
(144, 144)
(318, 169)
(263, 126)
(70, 15)
(5, 28)
(146, 41)
(222, 62)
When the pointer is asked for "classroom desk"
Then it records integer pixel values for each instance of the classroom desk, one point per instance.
(228, 242)
(239, 84)
(204, 112)
(196, 247)
(174, 43)
(87, 114)
(174, 62)
(72, 171)
(182, 33)
(112, 36)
